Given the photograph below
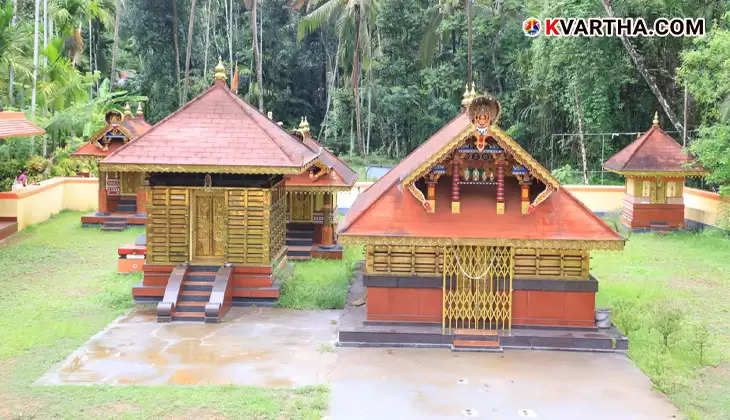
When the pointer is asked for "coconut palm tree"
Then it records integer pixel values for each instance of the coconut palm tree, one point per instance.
(251, 5)
(351, 19)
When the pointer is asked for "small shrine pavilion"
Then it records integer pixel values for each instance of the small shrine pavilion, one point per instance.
(469, 236)
(121, 198)
(655, 167)
(312, 202)
(216, 172)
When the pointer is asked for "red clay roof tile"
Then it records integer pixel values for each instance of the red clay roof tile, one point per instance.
(14, 124)
(654, 151)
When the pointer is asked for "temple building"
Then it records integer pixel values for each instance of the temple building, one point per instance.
(312, 202)
(215, 175)
(470, 242)
(121, 200)
(655, 167)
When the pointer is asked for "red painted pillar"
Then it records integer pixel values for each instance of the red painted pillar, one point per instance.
(455, 204)
(103, 205)
(500, 186)
(141, 199)
(327, 229)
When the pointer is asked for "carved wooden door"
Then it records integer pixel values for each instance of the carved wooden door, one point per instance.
(301, 206)
(209, 231)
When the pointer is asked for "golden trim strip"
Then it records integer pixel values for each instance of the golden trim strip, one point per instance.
(523, 157)
(228, 169)
(317, 189)
(618, 244)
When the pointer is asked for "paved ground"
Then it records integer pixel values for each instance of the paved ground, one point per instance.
(279, 347)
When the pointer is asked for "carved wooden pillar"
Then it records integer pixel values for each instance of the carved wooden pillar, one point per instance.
(500, 186)
(525, 196)
(327, 220)
(103, 206)
(455, 204)
(431, 195)
(142, 194)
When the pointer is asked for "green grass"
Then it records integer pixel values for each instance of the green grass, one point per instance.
(320, 284)
(680, 281)
(58, 287)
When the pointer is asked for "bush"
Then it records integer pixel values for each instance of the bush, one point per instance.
(667, 319)
(567, 175)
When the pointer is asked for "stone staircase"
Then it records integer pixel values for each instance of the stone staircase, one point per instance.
(127, 205)
(476, 340)
(299, 241)
(195, 294)
(114, 224)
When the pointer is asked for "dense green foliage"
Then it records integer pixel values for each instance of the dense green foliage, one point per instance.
(60, 287)
(411, 62)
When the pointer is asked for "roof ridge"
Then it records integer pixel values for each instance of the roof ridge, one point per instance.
(159, 123)
(244, 105)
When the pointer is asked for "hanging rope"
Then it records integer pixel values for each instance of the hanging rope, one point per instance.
(461, 267)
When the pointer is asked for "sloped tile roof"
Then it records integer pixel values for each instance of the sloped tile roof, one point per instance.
(386, 209)
(217, 129)
(14, 124)
(133, 127)
(654, 151)
(342, 176)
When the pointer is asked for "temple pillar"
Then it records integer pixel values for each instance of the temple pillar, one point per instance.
(327, 220)
(103, 205)
(525, 197)
(431, 195)
(500, 186)
(455, 204)
(142, 198)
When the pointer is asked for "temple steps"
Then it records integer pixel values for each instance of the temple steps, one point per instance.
(127, 205)
(194, 294)
(114, 226)
(476, 340)
(299, 241)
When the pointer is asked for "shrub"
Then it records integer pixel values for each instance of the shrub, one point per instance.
(667, 319)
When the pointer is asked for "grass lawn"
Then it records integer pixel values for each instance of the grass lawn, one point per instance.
(320, 284)
(677, 284)
(58, 287)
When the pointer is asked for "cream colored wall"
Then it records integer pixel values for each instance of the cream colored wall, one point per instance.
(599, 198)
(705, 207)
(37, 203)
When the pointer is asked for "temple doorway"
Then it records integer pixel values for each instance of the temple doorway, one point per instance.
(208, 233)
(477, 287)
(301, 206)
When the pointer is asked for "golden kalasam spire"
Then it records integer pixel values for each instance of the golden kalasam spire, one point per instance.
(220, 70)
(127, 110)
(656, 118)
(473, 93)
(140, 113)
(466, 98)
(304, 126)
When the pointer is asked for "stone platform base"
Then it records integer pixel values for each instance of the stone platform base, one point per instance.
(355, 331)
(333, 253)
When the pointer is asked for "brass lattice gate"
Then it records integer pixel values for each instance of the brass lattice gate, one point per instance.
(477, 287)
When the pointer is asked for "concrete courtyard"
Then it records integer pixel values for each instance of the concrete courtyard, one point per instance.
(283, 348)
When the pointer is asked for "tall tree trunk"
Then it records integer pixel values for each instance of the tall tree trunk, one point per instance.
(188, 46)
(581, 136)
(257, 53)
(177, 51)
(91, 61)
(356, 80)
(229, 25)
(331, 84)
(45, 31)
(115, 45)
(11, 70)
(35, 57)
(638, 60)
(470, 77)
(207, 39)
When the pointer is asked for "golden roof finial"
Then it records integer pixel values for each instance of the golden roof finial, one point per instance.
(220, 70)
(140, 114)
(127, 110)
(304, 126)
(473, 93)
(656, 118)
(466, 98)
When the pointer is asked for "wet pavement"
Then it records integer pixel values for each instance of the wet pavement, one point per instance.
(283, 348)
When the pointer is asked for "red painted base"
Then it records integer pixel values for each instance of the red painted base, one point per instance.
(644, 215)
(529, 307)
